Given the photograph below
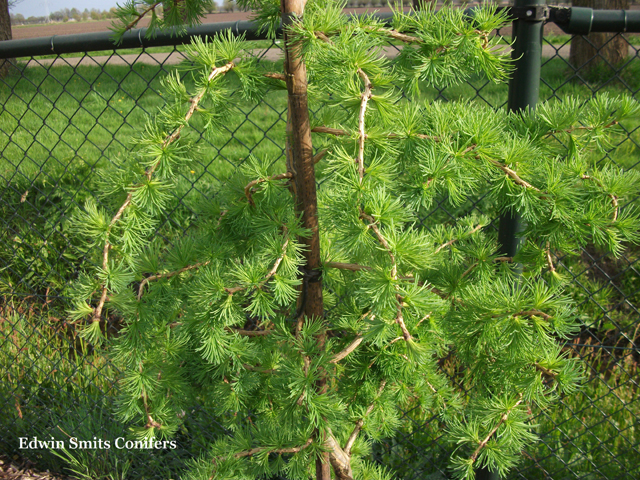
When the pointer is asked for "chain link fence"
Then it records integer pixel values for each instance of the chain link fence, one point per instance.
(65, 118)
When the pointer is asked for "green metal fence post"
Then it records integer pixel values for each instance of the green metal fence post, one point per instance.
(524, 90)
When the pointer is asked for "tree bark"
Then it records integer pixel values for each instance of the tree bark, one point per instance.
(300, 163)
(607, 49)
(5, 34)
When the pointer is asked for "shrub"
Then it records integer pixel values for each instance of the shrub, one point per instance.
(308, 323)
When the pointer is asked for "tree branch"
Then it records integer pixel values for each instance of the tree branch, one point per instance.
(140, 16)
(614, 199)
(279, 451)
(350, 348)
(484, 442)
(453, 240)
(354, 267)
(360, 423)
(513, 175)
(320, 155)
(253, 183)
(549, 260)
(332, 131)
(168, 275)
(248, 333)
(168, 140)
(270, 273)
(364, 99)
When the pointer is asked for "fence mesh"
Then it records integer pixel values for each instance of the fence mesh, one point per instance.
(64, 119)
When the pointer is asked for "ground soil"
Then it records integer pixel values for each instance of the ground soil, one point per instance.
(22, 470)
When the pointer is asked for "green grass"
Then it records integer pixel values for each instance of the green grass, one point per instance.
(63, 125)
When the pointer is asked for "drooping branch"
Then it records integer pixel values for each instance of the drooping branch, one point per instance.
(545, 371)
(248, 333)
(453, 240)
(275, 76)
(253, 183)
(360, 423)
(549, 260)
(354, 267)
(149, 173)
(278, 451)
(484, 442)
(580, 127)
(511, 173)
(140, 16)
(320, 155)
(396, 35)
(215, 72)
(350, 348)
(526, 313)
(168, 275)
(614, 199)
(270, 273)
(364, 99)
(342, 133)
(332, 131)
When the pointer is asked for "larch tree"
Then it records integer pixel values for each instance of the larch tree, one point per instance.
(307, 319)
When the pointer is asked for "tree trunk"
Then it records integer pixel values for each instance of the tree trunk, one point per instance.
(606, 49)
(5, 34)
(300, 160)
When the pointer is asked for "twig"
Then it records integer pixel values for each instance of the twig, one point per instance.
(253, 183)
(276, 76)
(270, 273)
(513, 175)
(194, 105)
(545, 371)
(360, 423)
(253, 451)
(364, 99)
(614, 199)
(484, 442)
(332, 131)
(320, 155)
(341, 133)
(168, 140)
(453, 240)
(140, 16)
(350, 348)
(354, 267)
(526, 313)
(572, 129)
(468, 270)
(373, 226)
(249, 333)
(168, 275)
(396, 35)
(323, 36)
(549, 260)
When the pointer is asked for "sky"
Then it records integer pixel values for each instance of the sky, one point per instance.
(39, 8)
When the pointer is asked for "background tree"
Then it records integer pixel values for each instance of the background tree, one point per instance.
(597, 49)
(5, 34)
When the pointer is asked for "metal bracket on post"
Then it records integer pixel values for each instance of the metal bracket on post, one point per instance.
(534, 13)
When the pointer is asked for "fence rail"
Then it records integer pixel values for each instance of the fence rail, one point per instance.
(64, 118)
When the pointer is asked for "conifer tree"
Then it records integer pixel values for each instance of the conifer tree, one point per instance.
(307, 324)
